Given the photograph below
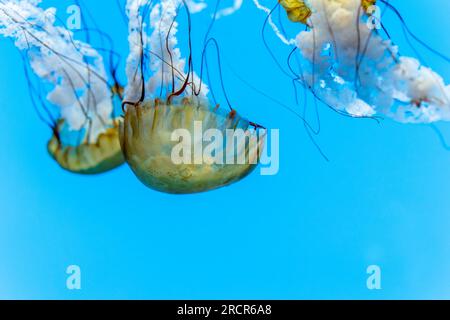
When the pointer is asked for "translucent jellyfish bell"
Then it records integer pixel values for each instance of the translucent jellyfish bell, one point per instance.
(148, 144)
(170, 101)
(87, 158)
(82, 152)
(80, 107)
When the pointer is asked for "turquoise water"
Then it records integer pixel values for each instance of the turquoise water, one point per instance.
(310, 231)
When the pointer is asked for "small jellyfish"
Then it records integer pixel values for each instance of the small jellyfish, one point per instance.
(345, 56)
(80, 106)
(298, 11)
(162, 98)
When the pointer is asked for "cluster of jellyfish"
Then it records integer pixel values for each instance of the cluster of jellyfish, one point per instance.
(344, 54)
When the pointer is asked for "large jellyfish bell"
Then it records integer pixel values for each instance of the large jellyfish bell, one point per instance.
(147, 142)
(162, 98)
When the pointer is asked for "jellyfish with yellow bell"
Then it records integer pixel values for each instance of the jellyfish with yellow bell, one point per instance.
(165, 95)
(81, 99)
(348, 60)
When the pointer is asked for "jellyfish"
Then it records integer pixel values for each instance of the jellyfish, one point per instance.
(348, 60)
(165, 94)
(80, 102)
